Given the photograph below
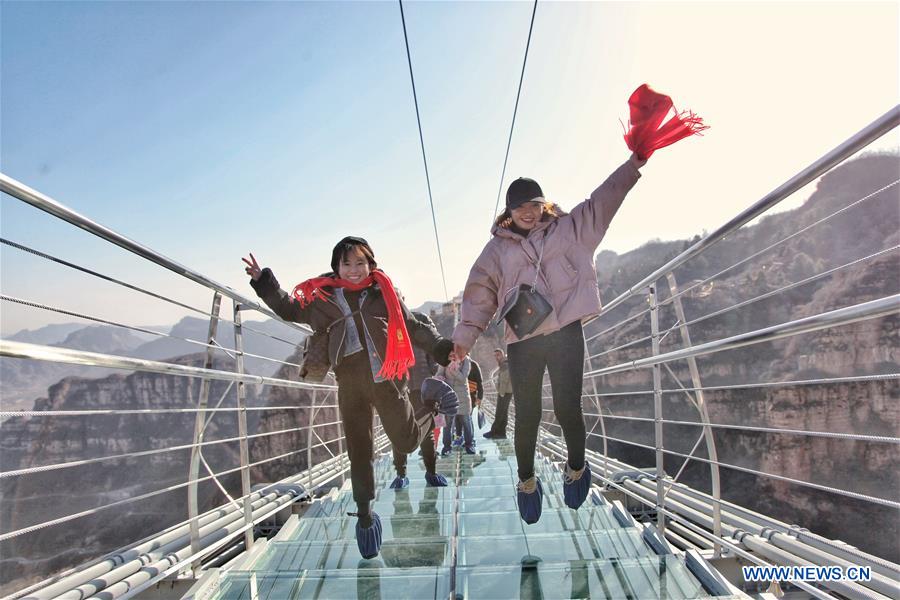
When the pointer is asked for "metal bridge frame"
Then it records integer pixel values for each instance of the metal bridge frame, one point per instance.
(699, 520)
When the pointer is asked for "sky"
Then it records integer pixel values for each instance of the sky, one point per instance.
(208, 130)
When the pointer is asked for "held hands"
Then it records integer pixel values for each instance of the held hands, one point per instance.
(459, 352)
(252, 269)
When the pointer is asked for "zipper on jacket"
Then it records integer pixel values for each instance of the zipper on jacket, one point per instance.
(338, 356)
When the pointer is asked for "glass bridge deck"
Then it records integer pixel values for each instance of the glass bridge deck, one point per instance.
(463, 541)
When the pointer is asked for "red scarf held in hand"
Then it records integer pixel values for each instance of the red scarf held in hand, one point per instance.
(399, 356)
(645, 133)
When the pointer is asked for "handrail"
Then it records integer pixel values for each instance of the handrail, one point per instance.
(47, 204)
(842, 316)
(96, 359)
(883, 439)
(851, 146)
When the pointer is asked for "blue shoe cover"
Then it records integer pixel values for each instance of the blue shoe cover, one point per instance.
(576, 490)
(368, 539)
(530, 502)
(436, 480)
(400, 483)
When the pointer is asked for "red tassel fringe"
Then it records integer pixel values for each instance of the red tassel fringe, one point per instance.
(647, 132)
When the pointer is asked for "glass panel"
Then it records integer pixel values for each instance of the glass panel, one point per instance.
(506, 549)
(662, 577)
(422, 524)
(488, 504)
(344, 554)
(666, 577)
(493, 478)
(552, 521)
(369, 581)
(414, 501)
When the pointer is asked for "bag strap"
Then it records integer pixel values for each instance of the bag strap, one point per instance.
(537, 271)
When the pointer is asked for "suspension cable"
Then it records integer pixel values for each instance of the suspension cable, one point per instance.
(412, 80)
(515, 110)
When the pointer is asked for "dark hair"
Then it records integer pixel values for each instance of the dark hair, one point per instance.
(350, 245)
(548, 209)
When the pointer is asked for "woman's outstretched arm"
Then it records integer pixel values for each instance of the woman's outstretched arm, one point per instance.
(267, 288)
(592, 217)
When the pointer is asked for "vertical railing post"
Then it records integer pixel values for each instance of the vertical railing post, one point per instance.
(657, 414)
(242, 429)
(700, 403)
(199, 421)
(341, 434)
(599, 407)
(309, 436)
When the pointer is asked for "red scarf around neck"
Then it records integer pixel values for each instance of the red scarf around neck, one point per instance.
(399, 355)
(646, 132)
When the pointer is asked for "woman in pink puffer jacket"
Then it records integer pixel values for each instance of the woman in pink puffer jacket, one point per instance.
(534, 240)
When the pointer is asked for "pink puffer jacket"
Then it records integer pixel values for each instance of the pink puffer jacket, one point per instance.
(567, 278)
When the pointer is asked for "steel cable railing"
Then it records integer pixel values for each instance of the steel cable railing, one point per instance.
(749, 301)
(76, 357)
(843, 316)
(700, 522)
(153, 452)
(778, 243)
(43, 202)
(95, 510)
(215, 346)
(147, 495)
(95, 359)
(851, 146)
(761, 384)
(824, 488)
(885, 568)
(135, 288)
(146, 411)
(693, 286)
(173, 537)
(881, 439)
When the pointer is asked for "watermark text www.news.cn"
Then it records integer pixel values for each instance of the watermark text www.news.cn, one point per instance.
(807, 573)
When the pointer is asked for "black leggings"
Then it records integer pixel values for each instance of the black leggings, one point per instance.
(358, 398)
(561, 353)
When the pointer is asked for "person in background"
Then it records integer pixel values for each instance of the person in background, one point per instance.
(504, 396)
(456, 374)
(476, 384)
(476, 394)
(424, 368)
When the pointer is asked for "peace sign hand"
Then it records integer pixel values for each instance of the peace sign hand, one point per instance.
(252, 269)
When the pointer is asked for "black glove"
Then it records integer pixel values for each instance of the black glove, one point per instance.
(442, 350)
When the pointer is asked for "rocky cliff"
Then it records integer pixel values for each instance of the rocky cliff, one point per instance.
(42, 496)
(864, 348)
